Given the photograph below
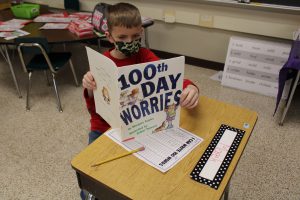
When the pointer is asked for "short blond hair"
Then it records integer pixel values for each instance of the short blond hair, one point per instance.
(123, 14)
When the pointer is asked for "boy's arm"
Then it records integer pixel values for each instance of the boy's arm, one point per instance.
(89, 100)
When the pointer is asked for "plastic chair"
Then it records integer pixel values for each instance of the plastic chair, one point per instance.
(42, 59)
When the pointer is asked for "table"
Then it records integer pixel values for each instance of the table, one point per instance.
(131, 178)
(53, 37)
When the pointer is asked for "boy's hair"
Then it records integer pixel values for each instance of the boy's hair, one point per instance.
(123, 14)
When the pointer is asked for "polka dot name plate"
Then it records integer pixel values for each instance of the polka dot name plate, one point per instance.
(213, 164)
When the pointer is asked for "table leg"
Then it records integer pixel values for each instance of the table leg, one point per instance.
(226, 192)
(290, 98)
(7, 58)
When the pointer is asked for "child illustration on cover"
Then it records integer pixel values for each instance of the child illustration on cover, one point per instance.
(129, 99)
(105, 95)
(171, 114)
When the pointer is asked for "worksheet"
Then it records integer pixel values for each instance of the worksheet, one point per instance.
(163, 150)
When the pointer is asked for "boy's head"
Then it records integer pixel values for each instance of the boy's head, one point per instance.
(123, 15)
(124, 28)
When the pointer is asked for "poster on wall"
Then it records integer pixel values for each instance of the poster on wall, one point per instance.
(253, 65)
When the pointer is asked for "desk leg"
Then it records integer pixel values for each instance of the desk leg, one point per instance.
(98, 189)
(226, 193)
(90, 197)
(290, 98)
(7, 58)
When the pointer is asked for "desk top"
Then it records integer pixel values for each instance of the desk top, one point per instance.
(53, 36)
(134, 179)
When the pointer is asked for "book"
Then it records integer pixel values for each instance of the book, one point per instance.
(137, 99)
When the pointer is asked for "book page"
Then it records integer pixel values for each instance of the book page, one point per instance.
(163, 150)
(149, 96)
(106, 95)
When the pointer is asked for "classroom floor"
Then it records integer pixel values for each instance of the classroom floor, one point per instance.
(37, 146)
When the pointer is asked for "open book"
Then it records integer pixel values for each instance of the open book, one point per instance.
(137, 99)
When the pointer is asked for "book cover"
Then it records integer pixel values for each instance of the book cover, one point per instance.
(143, 98)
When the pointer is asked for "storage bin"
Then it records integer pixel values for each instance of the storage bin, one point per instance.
(25, 10)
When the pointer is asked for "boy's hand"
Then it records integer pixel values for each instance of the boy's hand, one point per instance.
(89, 83)
(189, 97)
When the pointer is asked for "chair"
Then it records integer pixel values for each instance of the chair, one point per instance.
(42, 59)
(291, 69)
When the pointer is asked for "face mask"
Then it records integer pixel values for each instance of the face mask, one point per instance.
(129, 48)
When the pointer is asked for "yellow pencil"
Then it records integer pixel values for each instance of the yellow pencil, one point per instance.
(119, 156)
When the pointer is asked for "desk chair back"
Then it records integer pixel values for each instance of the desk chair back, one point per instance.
(38, 48)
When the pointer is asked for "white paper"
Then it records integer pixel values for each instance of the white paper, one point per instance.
(13, 35)
(163, 150)
(10, 27)
(216, 158)
(55, 26)
(217, 76)
(53, 19)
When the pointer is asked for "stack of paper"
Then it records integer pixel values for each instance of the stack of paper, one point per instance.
(55, 26)
(81, 28)
(13, 24)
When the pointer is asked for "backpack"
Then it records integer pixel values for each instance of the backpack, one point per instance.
(99, 18)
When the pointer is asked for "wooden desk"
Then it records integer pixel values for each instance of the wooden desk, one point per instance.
(131, 178)
(53, 36)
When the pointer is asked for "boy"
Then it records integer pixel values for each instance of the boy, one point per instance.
(124, 31)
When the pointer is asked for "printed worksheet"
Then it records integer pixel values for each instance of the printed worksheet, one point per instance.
(163, 150)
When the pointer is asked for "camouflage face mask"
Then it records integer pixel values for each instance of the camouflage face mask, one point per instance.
(129, 48)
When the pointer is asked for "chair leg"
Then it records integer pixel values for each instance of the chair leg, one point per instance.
(56, 93)
(89, 196)
(74, 73)
(28, 91)
(146, 38)
(99, 43)
(46, 74)
(290, 98)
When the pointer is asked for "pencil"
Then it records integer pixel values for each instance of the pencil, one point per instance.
(119, 156)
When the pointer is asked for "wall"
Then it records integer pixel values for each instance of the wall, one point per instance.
(203, 31)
